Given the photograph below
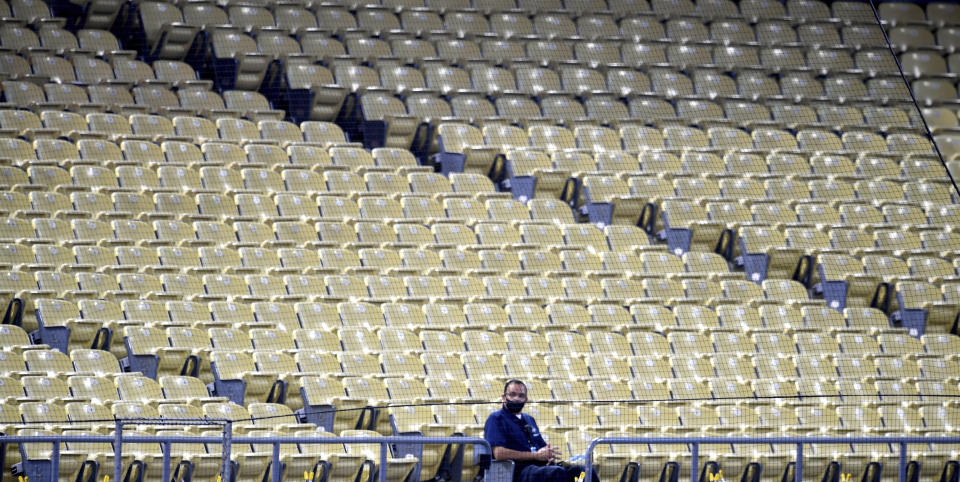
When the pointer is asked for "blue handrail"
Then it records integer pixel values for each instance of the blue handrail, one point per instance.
(166, 441)
(695, 443)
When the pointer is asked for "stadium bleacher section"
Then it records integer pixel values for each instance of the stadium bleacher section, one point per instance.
(354, 218)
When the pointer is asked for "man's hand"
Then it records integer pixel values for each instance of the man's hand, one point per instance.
(555, 452)
(548, 454)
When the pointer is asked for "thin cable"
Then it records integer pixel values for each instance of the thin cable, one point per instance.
(913, 97)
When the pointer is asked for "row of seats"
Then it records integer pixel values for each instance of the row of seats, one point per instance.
(691, 355)
(214, 167)
(318, 352)
(883, 394)
(289, 208)
(504, 21)
(93, 143)
(706, 81)
(720, 150)
(559, 92)
(402, 116)
(26, 11)
(498, 82)
(316, 329)
(938, 12)
(426, 54)
(85, 69)
(161, 105)
(392, 389)
(123, 70)
(383, 288)
(651, 381)
(319, 322)
(403, 257)
(617, 272)
(515, 315)
(604, 188)
(926, 63)
(501, 82)
(50, 100)
(322, 315)
(629, 197)
(718, 200)
(219, 168)
(165, 218)
(478, 268)
(634, 138)
(16, 38)
(133, 401)
(360, 460)
(87, 315)
(885, 268)
(889, 392)
(144, 336)
(905, 37)
(438, 234)
(134, 388)
(364, 333)
(608, 199)
(577, 379)
(846, 417)
(347, 461)
(672, 150)
(843, 419)
(163, 309)
(642, 286)
(406, 282)
(366, 19)
(753, 166)
(224, 111)
(635, 78)
(589, 244)
(547, 26)
(120, 222)
(318, 46)
(885, 241)
(48, 122)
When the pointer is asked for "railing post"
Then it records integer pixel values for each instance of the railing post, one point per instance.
(118, 452)
(694, 462)
(55, 460)
(227, 443)
(383, 462)
(902, 463)
(276, 462)
(166, 460)
(798, 467)
(588, 460)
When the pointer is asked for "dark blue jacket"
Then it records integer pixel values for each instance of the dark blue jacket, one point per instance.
(504, 429)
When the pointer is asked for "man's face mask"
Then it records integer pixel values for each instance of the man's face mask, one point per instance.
(513, 407)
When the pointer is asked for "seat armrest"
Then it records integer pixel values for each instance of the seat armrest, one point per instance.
(499, 470)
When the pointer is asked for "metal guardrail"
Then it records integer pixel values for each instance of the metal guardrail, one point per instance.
(798, 441)
(228, 440)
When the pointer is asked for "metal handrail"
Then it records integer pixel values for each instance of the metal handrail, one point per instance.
(695, 443)
(166, 441)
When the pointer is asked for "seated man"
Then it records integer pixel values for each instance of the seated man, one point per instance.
(515, 436)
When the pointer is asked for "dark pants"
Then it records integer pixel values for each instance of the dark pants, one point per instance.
(550, 473)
